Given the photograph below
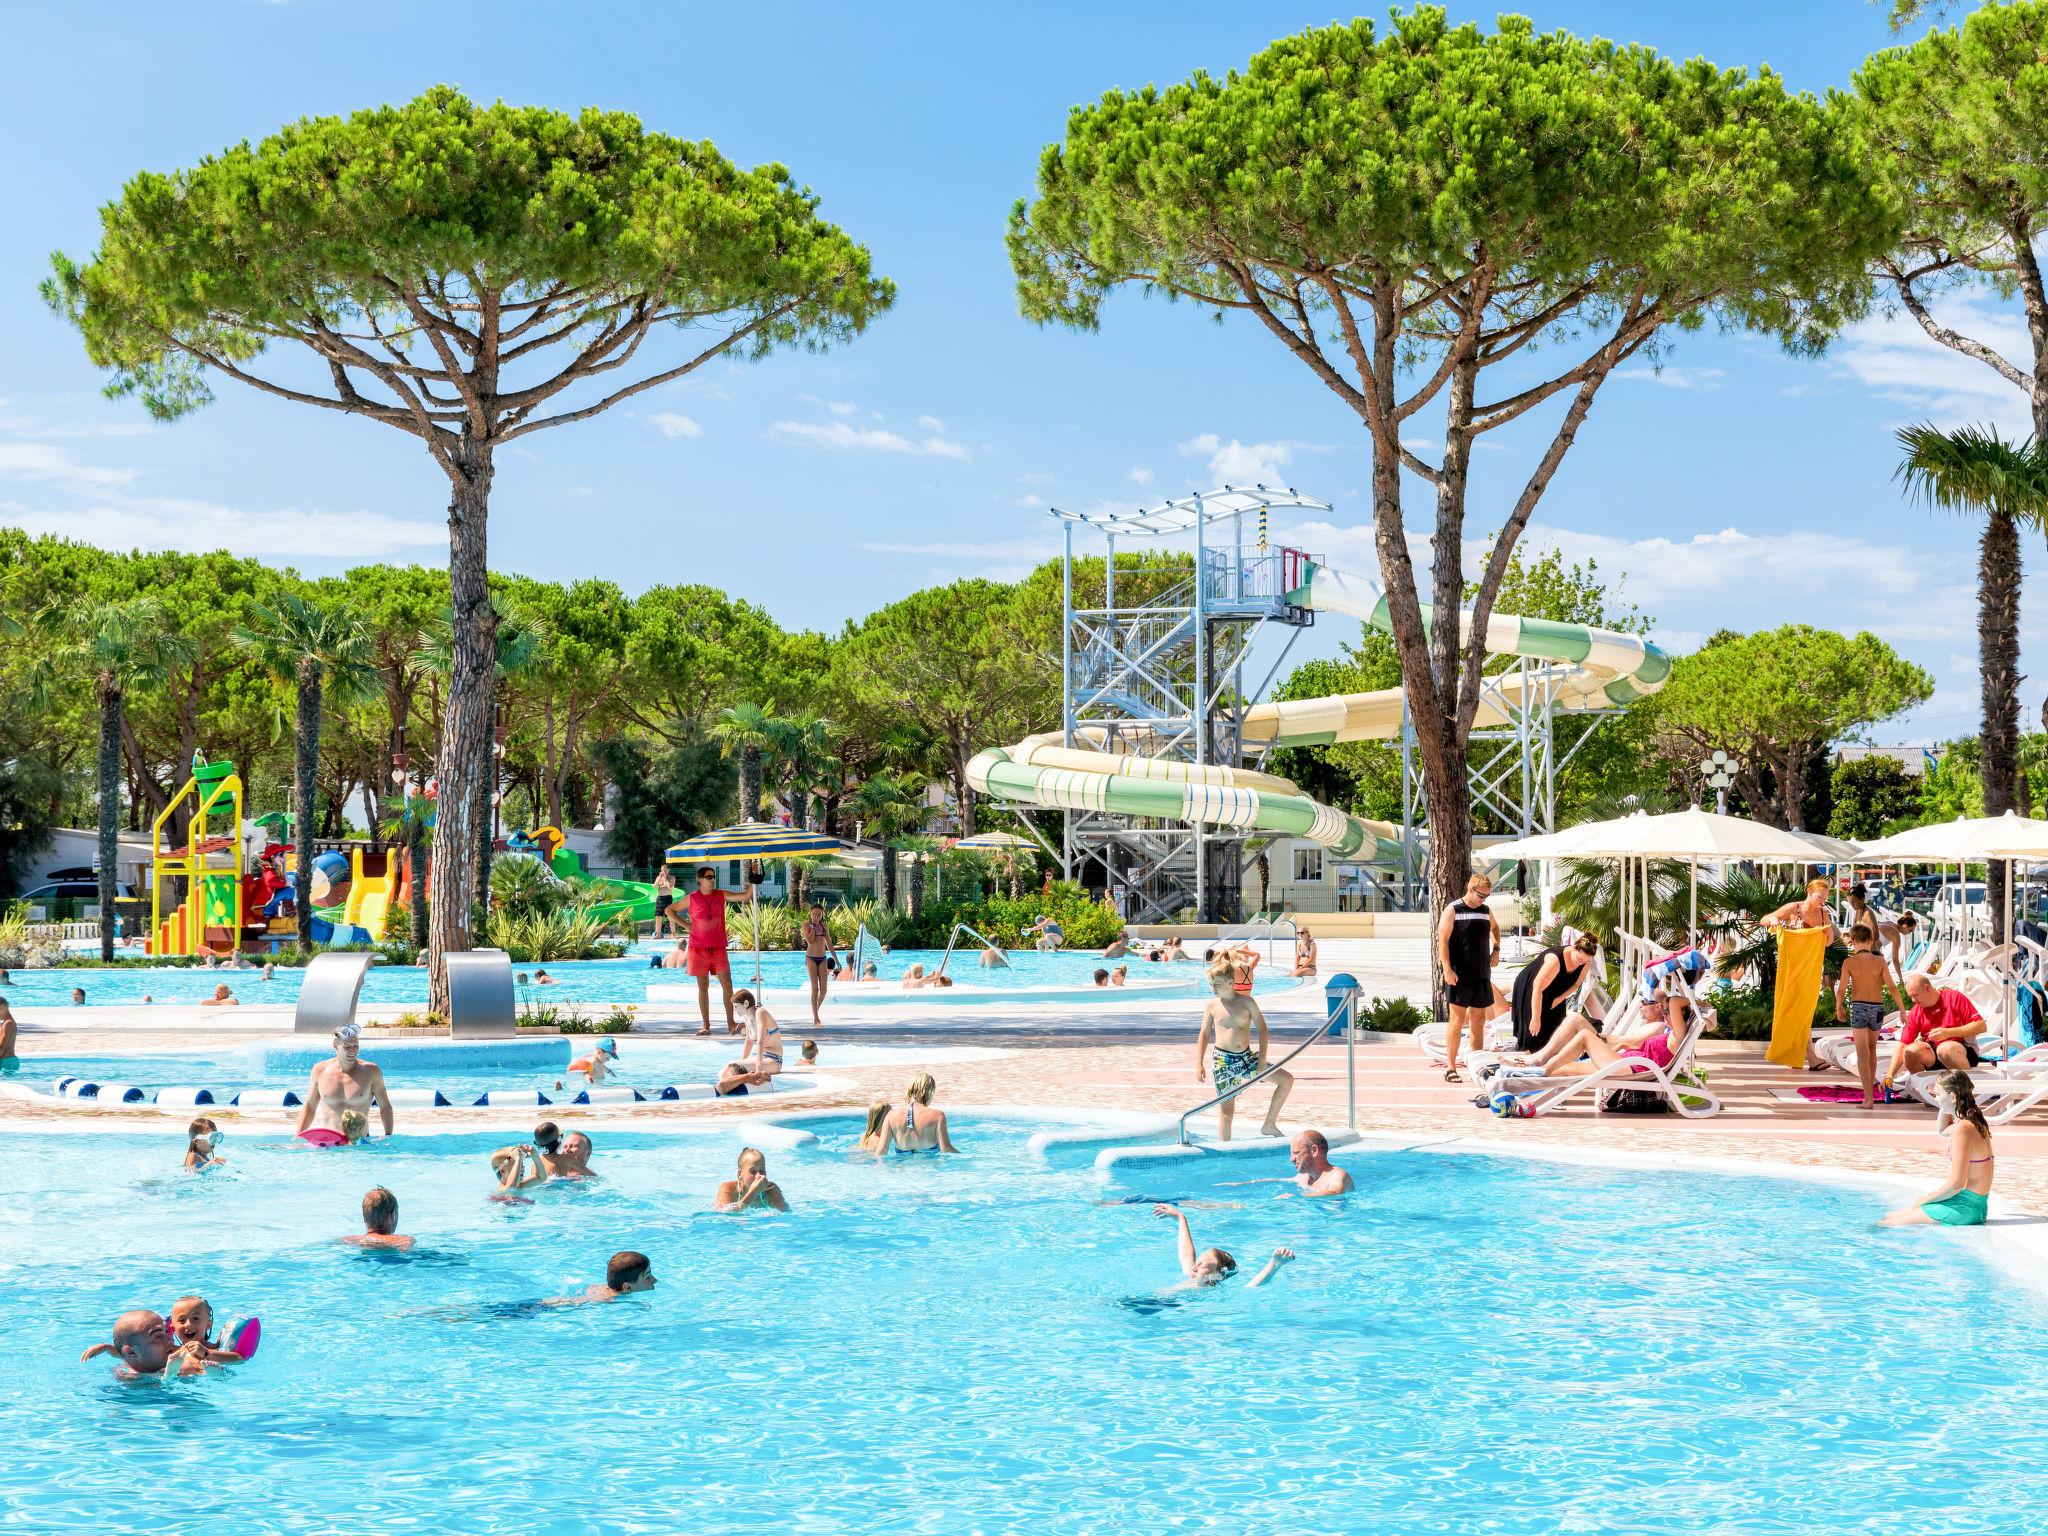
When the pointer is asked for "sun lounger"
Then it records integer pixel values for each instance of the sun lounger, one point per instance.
(1545, 1095)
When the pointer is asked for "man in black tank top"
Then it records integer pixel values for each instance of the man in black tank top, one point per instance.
(1468, 946)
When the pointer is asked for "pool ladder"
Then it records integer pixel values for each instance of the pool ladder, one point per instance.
(954, 938)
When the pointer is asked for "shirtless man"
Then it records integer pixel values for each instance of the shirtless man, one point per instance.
(380, 1223)
(343, 1084)
(223, 997)
(143, 1342)
(1228, 1018)
(993, 958)
(1314, 1174)
(752, 1190)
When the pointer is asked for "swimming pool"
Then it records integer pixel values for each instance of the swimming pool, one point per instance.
(605, 983)
(1470, 1343)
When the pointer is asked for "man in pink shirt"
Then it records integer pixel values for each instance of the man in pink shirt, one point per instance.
(1941, 1030)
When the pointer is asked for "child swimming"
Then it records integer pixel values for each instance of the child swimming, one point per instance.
(202, 1145)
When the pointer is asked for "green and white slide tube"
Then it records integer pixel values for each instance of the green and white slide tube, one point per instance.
(1593, 668)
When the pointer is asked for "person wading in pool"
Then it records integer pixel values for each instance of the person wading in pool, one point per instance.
(380, 1223)
(1229, 1018)
(1467, 948)
(706, 956)
(752, 1190)
(916, 1127)
(142, 1340)
(346, 1083)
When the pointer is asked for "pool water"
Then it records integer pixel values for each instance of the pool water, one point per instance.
(607, 983)
(981, 1344)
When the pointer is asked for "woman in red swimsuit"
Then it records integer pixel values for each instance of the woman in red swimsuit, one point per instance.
(706, 956)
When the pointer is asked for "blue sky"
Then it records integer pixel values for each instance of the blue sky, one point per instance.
(1739, 487)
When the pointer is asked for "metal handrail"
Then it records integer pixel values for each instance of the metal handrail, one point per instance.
(1248, 933)
(954, 937)
(1321, 1029)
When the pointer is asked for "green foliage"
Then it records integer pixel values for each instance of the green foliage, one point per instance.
(662, 793)
(522, 886)
(1951, 787)
(1087, 924)
(1873, 795)
(1391, 1016)
(1744, 1013)
(1589, 898)
(563, 934)
(1774, 701)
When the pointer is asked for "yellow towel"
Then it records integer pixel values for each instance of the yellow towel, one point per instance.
(1800, 953)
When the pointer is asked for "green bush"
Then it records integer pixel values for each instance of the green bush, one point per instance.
(1391, 1016)
(542, 936)
(1744, 1013)
(1087, 924)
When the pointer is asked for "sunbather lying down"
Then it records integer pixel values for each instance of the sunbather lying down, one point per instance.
(1579, 1049)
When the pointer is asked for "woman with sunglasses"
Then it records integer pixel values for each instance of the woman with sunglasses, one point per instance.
(706, 955)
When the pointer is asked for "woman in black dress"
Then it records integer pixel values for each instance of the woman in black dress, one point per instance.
(1545, 985)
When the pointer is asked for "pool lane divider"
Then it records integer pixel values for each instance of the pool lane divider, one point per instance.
(107, 1095)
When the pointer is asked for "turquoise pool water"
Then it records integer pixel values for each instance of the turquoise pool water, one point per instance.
(609, 982)
(1469, 1344)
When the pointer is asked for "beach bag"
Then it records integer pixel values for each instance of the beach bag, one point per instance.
(1633, 1101)
(2033, 1000)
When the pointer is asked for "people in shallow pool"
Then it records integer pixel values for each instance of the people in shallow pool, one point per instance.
(1119, 975)
(993, 959)
(1964, 1198)
(1212, 1266)
(550, 1155)
(223, 997)
(543, 979)
(737, 1078)
(627, 1273)
(810, 1053)
(78, 997)
(8, 1060)
(1101, 977)
(871, 1133)
(762, 1048)
(380, 1223)
(751, 1189)
(143, 1343)
(344, 1083)
(202, 1145)
(916, 1127)
(1314, 1174)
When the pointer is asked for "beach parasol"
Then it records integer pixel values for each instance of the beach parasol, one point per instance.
(753, 840)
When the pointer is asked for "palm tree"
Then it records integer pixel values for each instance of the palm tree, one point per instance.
(1975, 470)
(748, 732)
(885, 808)
(116, 647)
(320, 649)
(804, 759)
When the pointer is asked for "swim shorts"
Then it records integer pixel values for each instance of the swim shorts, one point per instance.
(1234, 1069)
(1866, 1015)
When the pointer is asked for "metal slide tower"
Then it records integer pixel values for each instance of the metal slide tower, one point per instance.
(1154, 653)
(1155, 667)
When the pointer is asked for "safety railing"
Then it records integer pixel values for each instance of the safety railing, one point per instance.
(954, 938)
(1261, 929)
(1342, 994)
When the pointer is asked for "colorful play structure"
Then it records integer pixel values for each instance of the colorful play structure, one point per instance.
(217, 862)
(1157, 761)
(632, 900)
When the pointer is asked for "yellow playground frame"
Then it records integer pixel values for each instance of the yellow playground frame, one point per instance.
(184, 931)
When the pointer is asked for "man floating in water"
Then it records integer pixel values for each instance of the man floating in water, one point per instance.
(627, 1273)
(380, 1223)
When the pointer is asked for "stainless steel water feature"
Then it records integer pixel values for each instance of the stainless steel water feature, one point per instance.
(480, 1003)
(328, 993)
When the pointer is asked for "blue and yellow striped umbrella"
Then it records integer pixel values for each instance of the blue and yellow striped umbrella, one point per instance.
(752, 840)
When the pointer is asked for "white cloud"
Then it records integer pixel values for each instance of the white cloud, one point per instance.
(931, 423)
(22, 426)
(1893, 357)
(1027, 501)
(1423, 444)
(1141, 476)
(674, 424)
(997, 559)
(195, 527)
(1236, 463)
(1036, 477)
(842, 407)
(1673, 376)
(840, 434)
(42, 464)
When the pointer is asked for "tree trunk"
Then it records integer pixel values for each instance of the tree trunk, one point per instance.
(799, 807)
(1998, 631)
(750, 783)
(110, 813)
(1265, 868)
(305, 785)
(465, 750)
(798, 883)
(480, 837)
(416, 865)
(889, 877)
(916, 888)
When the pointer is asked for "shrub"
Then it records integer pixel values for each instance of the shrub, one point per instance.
(1744, 1013)
(562, 935)
(884, 924)
(1391, 1016)
(522, 886)
(1087, 924)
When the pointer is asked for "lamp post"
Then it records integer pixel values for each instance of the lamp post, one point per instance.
(1719, 772)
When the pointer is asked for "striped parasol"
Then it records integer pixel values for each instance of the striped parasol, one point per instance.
(753, 840)
(993, 842)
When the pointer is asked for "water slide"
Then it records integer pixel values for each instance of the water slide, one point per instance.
(634, 900)
(369, 896)
(1590, 668)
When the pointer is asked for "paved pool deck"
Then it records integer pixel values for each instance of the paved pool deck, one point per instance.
(1137, 1054)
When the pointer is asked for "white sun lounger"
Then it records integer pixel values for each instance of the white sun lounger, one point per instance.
(1544, 1095)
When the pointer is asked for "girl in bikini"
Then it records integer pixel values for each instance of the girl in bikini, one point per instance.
(762, 1050)
(817, 958)
(1965, 1199)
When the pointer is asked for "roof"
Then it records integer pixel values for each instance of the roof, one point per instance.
(1182, 514)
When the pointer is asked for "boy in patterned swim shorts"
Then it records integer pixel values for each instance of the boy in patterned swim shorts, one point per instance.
(1228, 1019)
